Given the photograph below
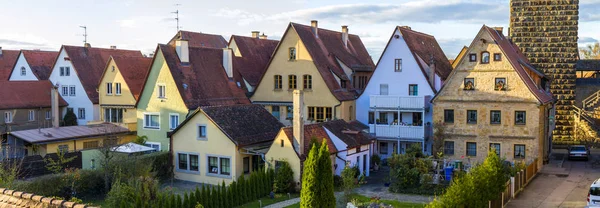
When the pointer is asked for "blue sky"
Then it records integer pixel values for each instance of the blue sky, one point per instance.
(140, 25)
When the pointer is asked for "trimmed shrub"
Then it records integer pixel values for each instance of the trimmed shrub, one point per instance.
(310, 188)
(284, 178)
(325, 174)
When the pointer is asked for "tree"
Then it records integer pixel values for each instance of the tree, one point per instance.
(141, 140)
(439, 136)
(9, 172)
(58, 165)
(591, 51)
(284, 178)
(349, 182)
(108, 159)
(310, 181)
(70, 118)
(326, 177)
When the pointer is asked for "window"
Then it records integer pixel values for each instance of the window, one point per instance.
(173, 121)
(63, 148)
(72, 90)
(472, 57)
(497, 57)
(282, 143)
(383, 148)
(383, 119)
(397, 65)
(275, 111)
(485, 57)
(448, 147)
(361, 80)
(67, 71)
(319, 114)
(183, 161)
(65, 91)
(8, 118)
(277, 82)
(469, 84)
(307, 82)
(219, 165)
(371, 117)
(118, 88)
(471, 149)
(383, 89)
(519, 151)
(495, 117)
(201, 131)
(225, 166)
(81, 113)
(448, 116)
(194, 162)
(62, 71)
(343, 83)
(154, 145)
(292, 54)
(246, 165)
(496, 148)
(162, 91)
(413, 90)
(114, 115)
(109, 89)
(500, 84)
(520, 117)
(290, 112)
(151, 121)
(471, 116)
(292, 82)
(48, 115)
(213, 165)
(188, 162)
(23, 71)
(91, 144)
(31, 116)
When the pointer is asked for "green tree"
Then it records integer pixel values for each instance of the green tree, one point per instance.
(70, 119)
(284, 178)
(58, 165)
(310, 182)
(141, 140)
(325, 174)
(349, 182)
(591, 51)
(178, 201)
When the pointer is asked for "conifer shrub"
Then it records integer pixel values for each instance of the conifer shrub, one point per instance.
(284, 178)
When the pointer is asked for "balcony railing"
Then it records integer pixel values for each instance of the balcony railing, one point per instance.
(398, 102)
(398, 131)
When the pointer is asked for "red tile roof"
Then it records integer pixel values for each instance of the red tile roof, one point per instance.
(203, 81)
(521, 65)
(327, 49)
(134, 70)
(311, 131)
(40, 62)
(8, 59)
(26, 94)
(196, 39)
(426, 47)
(256, 54)
(89, 64)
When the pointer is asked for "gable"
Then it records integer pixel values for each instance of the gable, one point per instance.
(160, 74)
(16, 72)
(126, 97)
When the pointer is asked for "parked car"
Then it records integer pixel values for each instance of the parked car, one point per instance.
(579, 152)
(593, 198)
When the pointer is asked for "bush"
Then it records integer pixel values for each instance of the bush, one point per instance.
(90, 184)
(375, 159)
(338, 182)
(284, 179)
(70, 119)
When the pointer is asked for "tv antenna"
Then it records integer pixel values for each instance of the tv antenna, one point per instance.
(84, 34)
(176, 12)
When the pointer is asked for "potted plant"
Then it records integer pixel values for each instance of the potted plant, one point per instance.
(376, 160)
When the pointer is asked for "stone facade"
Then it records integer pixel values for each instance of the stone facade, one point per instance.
(546, 32)
(11, 198)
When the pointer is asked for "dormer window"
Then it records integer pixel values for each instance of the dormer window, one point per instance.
(485, 57)
(292, 54)
(472, 57)
(23, 71)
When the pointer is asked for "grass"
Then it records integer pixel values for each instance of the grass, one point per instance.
(364, 199)
(96, 202)
(268, 201)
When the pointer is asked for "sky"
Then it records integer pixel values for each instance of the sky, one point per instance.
(141, 24)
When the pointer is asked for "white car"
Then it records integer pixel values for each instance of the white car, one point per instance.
(593, 198)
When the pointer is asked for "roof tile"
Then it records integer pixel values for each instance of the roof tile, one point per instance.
(133, 70)
(256, 54)
(40, 62)
(196, 39)
(8, 59)
(26, 94)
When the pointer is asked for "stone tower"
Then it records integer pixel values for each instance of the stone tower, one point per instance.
(546, 32)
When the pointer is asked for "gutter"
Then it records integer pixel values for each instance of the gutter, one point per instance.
(334, 111)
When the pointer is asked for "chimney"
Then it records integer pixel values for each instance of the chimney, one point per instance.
(499, 29)
(432, 72)
(87, 45)
(228, 61)
(314, 25)
(255, 34)
(298, 120)
(113, 47)
(345, 35)
(183, 51)
(54, 105)
(407, 27)
(263, 36)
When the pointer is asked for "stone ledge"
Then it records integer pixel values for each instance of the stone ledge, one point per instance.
(12, 198)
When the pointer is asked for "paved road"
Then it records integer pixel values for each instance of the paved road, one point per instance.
(559, 187)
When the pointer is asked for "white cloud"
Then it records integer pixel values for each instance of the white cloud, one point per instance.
(143, 21)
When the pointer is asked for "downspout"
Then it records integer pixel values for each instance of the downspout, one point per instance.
(334, 111)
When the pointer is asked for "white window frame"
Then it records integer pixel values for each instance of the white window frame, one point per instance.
(189, 162)
(117, 88)
(171, 115)
(109, 90)
(81, 113)
(23, 71)
(31, 115)
(144, 120)
(48, 115)
(65, 90)
(161, 88)
(200, 137)
(8, 117)
(72, 90)
(219, 175)
(149, 144)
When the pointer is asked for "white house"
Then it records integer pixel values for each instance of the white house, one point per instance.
(77, 72)
(395, 103)
(33, 65)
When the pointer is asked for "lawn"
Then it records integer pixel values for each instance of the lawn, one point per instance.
(364, 199)
(268, 201)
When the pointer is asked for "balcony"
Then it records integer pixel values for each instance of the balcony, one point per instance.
(398, 102)
(398, 131)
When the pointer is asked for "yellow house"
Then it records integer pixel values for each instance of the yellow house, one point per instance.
(322, 63)
(183, 77)
(494, 99)
(222, 143)
(119, 89)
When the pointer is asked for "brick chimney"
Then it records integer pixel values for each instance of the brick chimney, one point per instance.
(228, 61)
(314, 25)
(298, 121)
(255, 34)
(87, 45)
(54, 97)
(183, 50)
(263, 36)
(345, 35)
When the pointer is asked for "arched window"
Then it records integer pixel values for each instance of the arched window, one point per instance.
(23, 71)
(485, 57)
(292, 84)
(307, 81)
(277, 82)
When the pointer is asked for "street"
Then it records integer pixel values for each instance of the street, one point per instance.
(560, 187)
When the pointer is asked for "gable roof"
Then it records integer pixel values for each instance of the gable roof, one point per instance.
(89, 63)
(49, 135)
(196, 39)
(26, 94)
(133, 70)
(8, 59)
(256, 54)
(40, 62)
(243, 124)
(310, 131)
(202, 81)
(327, 49)
(426, 47)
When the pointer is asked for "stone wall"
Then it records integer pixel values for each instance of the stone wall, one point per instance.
(546, 32)
(11, 198)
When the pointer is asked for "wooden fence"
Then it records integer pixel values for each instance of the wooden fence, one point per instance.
(515, 185)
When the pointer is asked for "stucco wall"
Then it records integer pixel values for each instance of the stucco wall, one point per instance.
(125, 98)
(287, 153)
(16, 73)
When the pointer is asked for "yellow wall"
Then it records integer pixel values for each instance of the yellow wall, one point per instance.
(75, 145)
(319, 96)
(234, 48)
(287, 153)
(125, 98)
(150, 103)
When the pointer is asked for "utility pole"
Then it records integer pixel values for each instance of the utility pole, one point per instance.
(84, 34)
(176, 12)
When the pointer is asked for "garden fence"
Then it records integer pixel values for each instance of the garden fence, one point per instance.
(515, 185)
